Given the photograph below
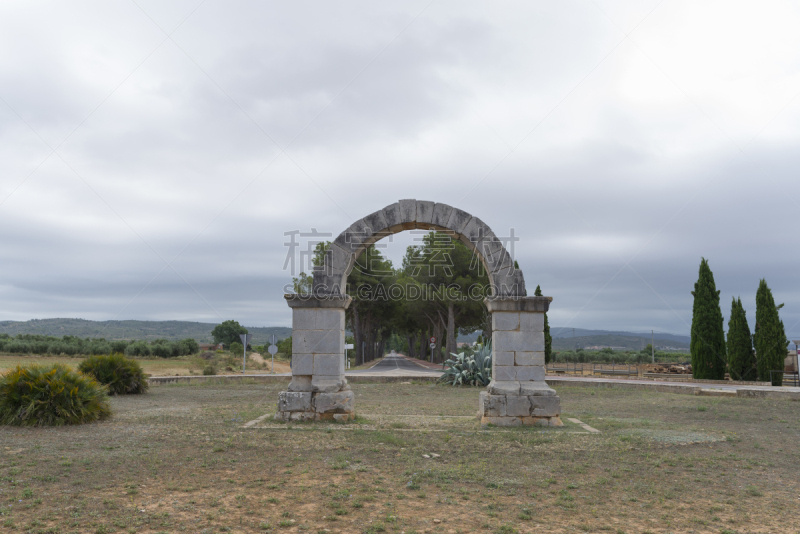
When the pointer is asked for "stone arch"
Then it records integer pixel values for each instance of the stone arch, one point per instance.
(410, 214)
(517, 394)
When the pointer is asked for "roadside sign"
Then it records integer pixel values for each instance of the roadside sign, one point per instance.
(349, 346)
(245, 340)
(433, 345)
(433, 340)
(272, 349)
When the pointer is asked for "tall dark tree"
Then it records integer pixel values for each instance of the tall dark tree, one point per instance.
(372, 310)
(548, 339)
(451, 277)
(741, 358)
(769, 337)
(708, 338)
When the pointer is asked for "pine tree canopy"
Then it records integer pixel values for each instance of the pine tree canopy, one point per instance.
(709, 354)
(741, 358)
(769, 337)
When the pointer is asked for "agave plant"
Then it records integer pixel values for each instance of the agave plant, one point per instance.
(469, 370)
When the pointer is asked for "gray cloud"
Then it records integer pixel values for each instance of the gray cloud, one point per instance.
(674, 143)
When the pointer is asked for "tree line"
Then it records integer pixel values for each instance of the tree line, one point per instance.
(609, 355)
(73, 345)
(743, 355)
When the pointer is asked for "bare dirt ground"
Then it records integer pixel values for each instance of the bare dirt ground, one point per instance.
(179, 460)
(266, 363)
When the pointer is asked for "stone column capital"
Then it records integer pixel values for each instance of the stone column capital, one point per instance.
(517, 304)
(335, 301)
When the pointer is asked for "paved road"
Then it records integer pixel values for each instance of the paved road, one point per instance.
(394, 363)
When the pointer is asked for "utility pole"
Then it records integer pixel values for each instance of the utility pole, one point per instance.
(653, 345)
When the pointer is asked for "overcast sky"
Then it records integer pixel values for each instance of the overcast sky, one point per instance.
(153, 155)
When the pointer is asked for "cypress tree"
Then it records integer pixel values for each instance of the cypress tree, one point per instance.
(769, 337)
(741, 358)
(548, 339)
(708, 338)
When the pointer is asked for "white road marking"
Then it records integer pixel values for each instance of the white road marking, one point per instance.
(583, 425)
(257, 420)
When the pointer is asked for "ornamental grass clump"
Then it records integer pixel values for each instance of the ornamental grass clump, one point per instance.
(51, 395)
(121, 375)
(469, 370)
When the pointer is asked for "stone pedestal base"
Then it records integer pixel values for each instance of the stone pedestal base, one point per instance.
(518, 394)
(522, 421)
(316, 405)
(518, 410)
(318, 390)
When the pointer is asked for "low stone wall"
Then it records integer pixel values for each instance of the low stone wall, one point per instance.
(375, 379)
(218, 379)
(280, 379)
(689, 380)
(682, 389)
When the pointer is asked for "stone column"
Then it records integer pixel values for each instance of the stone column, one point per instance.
(518, 394)
(318, 389)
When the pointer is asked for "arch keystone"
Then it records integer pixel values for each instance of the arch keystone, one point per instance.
(424, 215)
(408, 214)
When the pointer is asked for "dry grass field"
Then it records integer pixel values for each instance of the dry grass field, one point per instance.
(183, 365)
(179, 460)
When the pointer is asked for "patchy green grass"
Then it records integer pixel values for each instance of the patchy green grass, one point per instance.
(177, 459)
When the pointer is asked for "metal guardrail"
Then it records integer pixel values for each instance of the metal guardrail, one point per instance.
(671, 376)
(593, 368)
(626, 370)
(789, 379)
(564, 368)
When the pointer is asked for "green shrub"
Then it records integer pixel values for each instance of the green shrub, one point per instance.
(161, 350)
(51, 395)
(120, 374)
(209, 370)
(98, 347)
(236, 349)
(17, 347)
(189, 346)
(469, 370)
(138, 348)
(119, 346)
(164, 348)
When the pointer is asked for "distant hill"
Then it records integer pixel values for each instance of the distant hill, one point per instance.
(146, 330)
(173, 330)
(616, 341)
(562, 339)
(564, 332)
